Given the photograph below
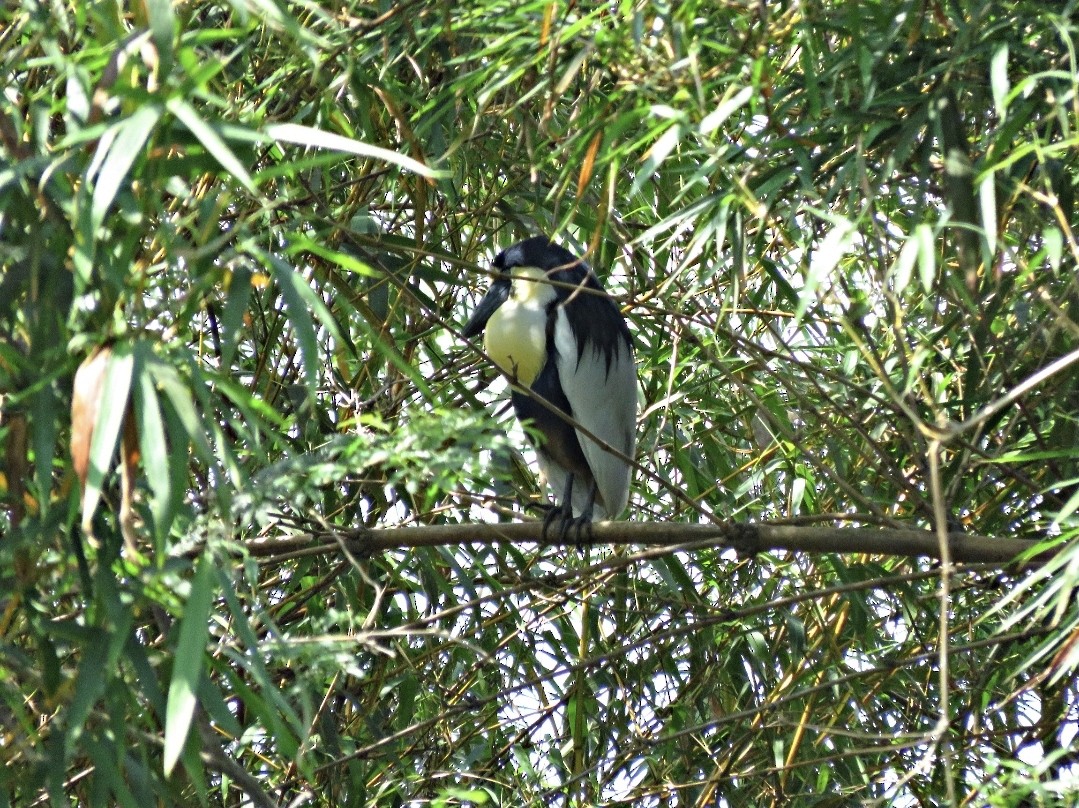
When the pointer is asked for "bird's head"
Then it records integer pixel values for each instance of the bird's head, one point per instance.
(523, 273)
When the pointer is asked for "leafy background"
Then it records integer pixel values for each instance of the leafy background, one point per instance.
(844, 237)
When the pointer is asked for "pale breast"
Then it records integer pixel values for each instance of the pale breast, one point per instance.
(516, 339)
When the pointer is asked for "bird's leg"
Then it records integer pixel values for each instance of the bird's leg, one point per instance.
(580, 525)
(583, 523)
(563, 511)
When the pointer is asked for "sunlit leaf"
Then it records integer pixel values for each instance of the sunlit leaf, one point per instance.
(998, 79)
(987, 197)
(122, 152)
(927, 257)
(187, 666)
(730, 104)
(321, 139)
(152, 442)
(824, 261)
(110, 409)
(903, 269)
(207, 134)
(656, 155)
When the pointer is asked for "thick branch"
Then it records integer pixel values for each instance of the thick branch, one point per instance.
(743, 537)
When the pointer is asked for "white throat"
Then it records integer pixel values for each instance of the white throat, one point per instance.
(516, 334)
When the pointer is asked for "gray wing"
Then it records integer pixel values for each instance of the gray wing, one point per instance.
(606, 405)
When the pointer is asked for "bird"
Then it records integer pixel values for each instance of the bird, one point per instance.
(562, 342)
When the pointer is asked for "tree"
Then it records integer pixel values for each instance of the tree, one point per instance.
(844, 236)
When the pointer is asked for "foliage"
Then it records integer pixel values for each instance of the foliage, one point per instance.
(844, 236)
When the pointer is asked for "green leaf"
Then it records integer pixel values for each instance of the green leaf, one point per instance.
(122, 151)
(188, 662)
(320, 139)
(110, 419)
(280, 720)
(214, 144)
(987, 196)
(301, 301)
(179, 397)
(152, 443)
(1069, 507)
(824, 261)
(903, 268)
(732, 101)
(238, 299)
(998, 80)
(344, 260)
(656, 156)
(104, 756)
(162, 29)
(927, 256)
(1053, 240)
(89, 684)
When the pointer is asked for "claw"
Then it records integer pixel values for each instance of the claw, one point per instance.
(744, 539)
(579, 526)
(555, 513)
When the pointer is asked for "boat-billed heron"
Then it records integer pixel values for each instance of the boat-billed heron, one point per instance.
(565, 347)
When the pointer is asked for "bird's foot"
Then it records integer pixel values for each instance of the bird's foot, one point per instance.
(744, 539)
(543, 507)
(579, 527)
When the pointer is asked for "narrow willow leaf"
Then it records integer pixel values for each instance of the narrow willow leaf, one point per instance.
(344, 260)
(238, 298)
(89, 684)
(1069, 507)
(152, 444)
(727, 107)
(214, 144)
(123, 150)
(998, 80)
(573, 69)
(300, 301)
(162, 28)
(179, 396)
(1054, 246)
(927, 257)
(903, 268)
(320, 139)
(825, 259)
(187, 665)
(265, 700)
(110, 416)
(656, 155)
(104, 755)
(987, 196)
